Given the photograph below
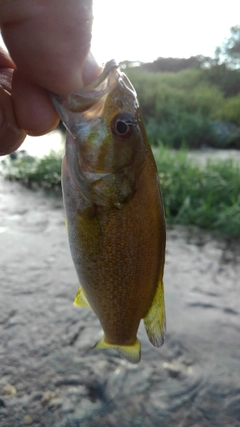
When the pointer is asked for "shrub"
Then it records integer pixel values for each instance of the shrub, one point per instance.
(30, 171)
(208, 196)
(177, 107)
(182, 130)
(230, 110)
(160, 93)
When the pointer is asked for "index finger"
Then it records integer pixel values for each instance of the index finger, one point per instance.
(48, 41)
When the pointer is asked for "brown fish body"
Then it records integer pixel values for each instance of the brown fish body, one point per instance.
(120, 254)
(115, 220)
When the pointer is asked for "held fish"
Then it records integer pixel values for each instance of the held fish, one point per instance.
(114, 211)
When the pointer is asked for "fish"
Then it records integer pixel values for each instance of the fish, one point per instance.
(114, 212)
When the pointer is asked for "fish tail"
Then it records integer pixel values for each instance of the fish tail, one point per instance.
(155, 320)
(81, 299)
(132, 353)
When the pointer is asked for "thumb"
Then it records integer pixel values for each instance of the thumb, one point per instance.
(48, 40)
(11, 136)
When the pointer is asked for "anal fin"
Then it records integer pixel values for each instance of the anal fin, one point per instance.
(81, 299)
(155, 320)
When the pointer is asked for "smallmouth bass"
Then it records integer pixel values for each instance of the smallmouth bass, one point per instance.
(114, 211)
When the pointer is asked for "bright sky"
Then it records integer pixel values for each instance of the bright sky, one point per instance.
(147, 29)
(143, 30)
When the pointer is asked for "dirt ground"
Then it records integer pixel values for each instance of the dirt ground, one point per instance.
(49, 374)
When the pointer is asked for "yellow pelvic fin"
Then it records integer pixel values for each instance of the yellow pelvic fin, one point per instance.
(66, 224)
(132, 353)
(81, 299)
(155, 320)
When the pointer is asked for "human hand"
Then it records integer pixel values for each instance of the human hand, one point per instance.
(49, 46)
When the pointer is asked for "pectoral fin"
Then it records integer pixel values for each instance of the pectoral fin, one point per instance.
(81, 299)
(132, 353)
(155, 320)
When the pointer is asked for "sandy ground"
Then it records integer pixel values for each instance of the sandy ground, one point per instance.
(49, 376)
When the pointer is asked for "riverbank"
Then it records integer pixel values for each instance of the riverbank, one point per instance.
(196, 190)
(50, 376)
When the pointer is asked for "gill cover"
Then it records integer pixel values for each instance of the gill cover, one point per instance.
(105, 151)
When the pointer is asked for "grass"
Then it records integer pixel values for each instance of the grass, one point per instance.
(206, 196)
(35, 172)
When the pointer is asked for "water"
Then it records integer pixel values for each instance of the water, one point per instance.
(42, 145)
(46, 344)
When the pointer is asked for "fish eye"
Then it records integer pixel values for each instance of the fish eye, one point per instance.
(122, 125)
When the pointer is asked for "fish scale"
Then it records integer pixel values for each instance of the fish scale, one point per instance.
(114, 212)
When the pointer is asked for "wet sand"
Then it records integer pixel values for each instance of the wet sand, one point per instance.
(49, 376)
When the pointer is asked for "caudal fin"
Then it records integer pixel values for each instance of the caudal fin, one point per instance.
(155, 320)
(132, 353)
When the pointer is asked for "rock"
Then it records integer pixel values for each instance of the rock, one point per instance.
(27, 419)
(2, 403)
(176, 369)
(55, 403)
(67, 407)
(71, 380)
(37, 395)
(46, 397)
(9, 390)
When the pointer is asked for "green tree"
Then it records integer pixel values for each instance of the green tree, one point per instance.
(231, 48)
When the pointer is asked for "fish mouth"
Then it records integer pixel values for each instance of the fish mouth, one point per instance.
(88, 103)
(94, 92)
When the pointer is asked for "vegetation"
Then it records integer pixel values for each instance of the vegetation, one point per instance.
(35, 172)
(208, 196)
(179, 108)
(182, 100)
(185, 103)
(229, 52)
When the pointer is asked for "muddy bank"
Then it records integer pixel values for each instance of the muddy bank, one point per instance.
(49, 376)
